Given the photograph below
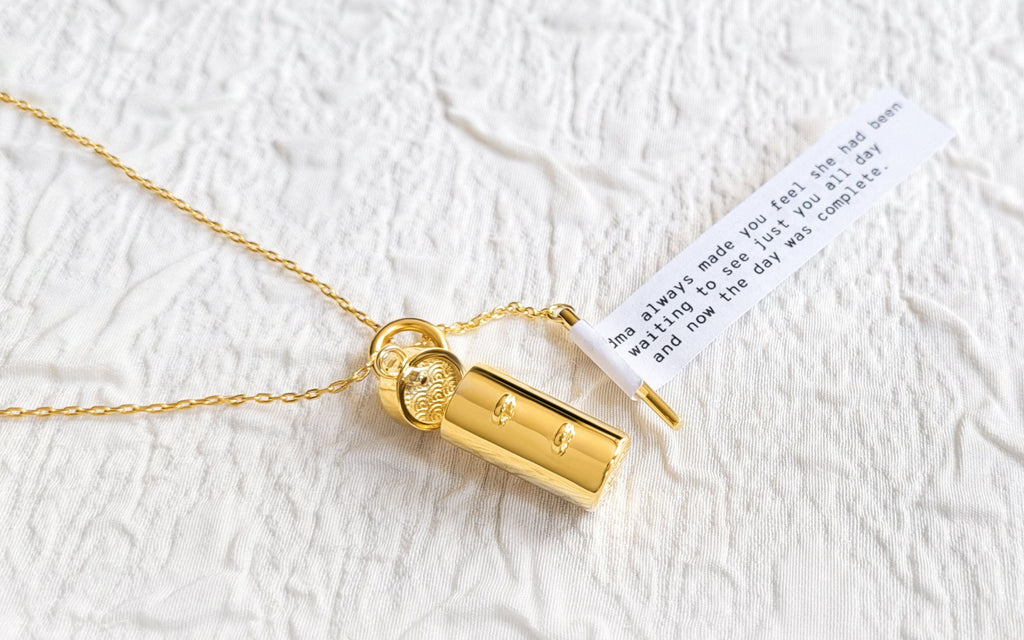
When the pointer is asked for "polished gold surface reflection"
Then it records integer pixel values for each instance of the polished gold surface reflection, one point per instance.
(545, 441)
(493, 415)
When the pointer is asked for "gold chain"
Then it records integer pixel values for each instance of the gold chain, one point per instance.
(511, 309)
(188, 403)
(199, 216)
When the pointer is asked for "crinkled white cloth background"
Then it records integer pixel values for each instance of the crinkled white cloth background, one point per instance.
(853, 463)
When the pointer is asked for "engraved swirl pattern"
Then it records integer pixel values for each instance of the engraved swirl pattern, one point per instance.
(429, 386)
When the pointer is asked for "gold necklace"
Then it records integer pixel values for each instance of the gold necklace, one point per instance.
(424, 385)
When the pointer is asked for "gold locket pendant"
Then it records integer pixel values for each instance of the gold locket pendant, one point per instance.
(494, 416)
(424, 385)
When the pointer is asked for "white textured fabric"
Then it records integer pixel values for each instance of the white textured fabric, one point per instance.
(853, 463)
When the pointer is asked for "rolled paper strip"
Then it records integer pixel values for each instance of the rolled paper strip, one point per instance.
(615, 366)
(604, 356)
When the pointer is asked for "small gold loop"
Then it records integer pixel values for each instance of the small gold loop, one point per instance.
(387, 333)
(389, 361)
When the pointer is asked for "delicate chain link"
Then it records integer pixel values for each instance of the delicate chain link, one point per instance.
(189, 403)
(511, 309)
(213, 225)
